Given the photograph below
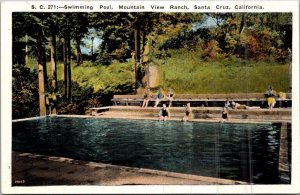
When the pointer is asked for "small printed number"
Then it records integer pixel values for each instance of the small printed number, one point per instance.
(19, 181)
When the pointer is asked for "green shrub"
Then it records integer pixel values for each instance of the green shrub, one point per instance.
(25, 97)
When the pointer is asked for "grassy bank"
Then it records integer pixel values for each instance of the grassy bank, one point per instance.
(103, 77)
(97, 76)
(187, 73)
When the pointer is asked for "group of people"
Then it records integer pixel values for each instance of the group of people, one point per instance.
(270, 95)
(158, 97)
(164, 113)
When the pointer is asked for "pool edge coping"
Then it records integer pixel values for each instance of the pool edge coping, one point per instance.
(211, 120)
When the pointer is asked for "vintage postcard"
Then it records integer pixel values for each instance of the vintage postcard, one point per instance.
(155, 97)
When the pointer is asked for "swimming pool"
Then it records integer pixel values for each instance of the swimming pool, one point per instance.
(245, 152)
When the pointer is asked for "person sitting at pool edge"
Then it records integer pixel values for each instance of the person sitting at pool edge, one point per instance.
(224, 115)
(164, 113)
(282, 95)
(146, 97)
(170, 96)
(159, 95)
(270, 92)
(188, 113)
(271, 102)
(227, 104)
(270, 95)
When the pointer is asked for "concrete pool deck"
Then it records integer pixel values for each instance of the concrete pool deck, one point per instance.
(199, 114)
(39, 170)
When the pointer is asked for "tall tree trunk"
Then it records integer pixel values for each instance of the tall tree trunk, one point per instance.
(67, 67)
(53, 73)
(137, 41)
(144, 42)
(79, 55)
(41, 74)
(145, 48)
(69, 80)
(44, 63)
(241, 26)
(63, 41)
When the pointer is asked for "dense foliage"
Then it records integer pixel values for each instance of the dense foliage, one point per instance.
(25, 99)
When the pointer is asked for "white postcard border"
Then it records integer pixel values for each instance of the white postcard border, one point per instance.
(6, 95)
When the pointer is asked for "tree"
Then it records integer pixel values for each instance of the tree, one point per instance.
(52, 23)
(79, 29)
(127, 32)
(259, 36)
(65, 24)
(37, 21)
(41, 71)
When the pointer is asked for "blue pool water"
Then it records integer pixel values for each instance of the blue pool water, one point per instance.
(245, 152)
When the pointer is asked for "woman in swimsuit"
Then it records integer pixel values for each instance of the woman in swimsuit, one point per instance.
(188, 111)
(164, 113)
(170, 96)
(224, 115)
